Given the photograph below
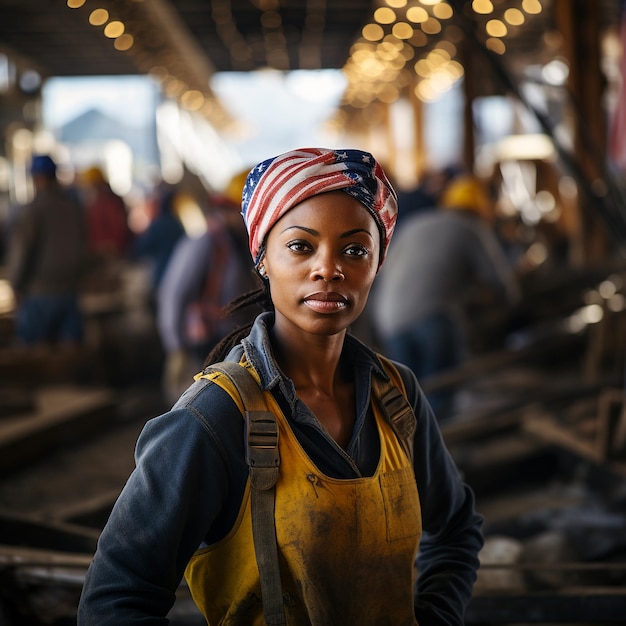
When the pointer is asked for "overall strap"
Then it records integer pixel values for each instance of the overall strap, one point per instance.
(391, 395)
(263, 460)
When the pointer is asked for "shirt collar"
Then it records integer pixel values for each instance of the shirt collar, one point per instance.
(258, 351)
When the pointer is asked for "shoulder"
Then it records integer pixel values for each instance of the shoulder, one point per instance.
(398, 372)
(208, 397)
(205, 417)
(210, 406)
(404, 378)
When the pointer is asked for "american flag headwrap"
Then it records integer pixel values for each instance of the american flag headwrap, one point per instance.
(278, 184)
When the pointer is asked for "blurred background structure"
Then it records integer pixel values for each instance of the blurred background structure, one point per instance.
(171, 100)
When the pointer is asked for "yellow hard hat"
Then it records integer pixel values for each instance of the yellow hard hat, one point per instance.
(94, 176)
(234, 189)
(466, 192)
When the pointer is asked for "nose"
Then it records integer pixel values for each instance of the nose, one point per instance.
(327, 269)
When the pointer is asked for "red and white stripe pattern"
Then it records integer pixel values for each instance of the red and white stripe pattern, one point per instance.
(280, 183)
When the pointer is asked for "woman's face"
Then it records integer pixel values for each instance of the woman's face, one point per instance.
(321, 259)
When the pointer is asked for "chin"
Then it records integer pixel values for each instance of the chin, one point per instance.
(329, 327)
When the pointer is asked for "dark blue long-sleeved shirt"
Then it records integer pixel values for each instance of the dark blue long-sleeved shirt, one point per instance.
(191, 473)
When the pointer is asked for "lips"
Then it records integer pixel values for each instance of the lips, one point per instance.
(326, 302)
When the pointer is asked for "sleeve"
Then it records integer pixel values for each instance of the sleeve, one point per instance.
(176, 496)
(181, 283)
(21, 249)
(147, 243)
(451, 529)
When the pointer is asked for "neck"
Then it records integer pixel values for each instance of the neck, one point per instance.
(311, 362)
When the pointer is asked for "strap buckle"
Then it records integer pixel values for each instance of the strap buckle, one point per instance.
(262, 453)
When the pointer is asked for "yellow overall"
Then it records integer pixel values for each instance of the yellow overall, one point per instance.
(346, 546)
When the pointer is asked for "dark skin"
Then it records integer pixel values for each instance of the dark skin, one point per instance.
(321, 260)
(330, 399)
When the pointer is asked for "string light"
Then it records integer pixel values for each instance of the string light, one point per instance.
(124, 42)
(482, 7)
(114, 29)
(417, 14)
(495, 45)
(373, 32)
(402, 30)
(532, 7)
(514, 17)
(431, 26)
(408, 30)
(443, 11)
(384, 15)
(98, 17)
(496, 28)
(368, 70)
(179, 87)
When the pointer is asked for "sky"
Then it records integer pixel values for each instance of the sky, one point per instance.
(280, 111)
(277, 111)
(127, 98)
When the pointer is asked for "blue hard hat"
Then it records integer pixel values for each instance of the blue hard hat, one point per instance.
(43, 164)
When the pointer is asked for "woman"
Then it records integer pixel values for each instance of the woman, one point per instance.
(350, 509)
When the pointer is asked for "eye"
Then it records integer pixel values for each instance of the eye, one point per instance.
(356, 249)
(298, 245)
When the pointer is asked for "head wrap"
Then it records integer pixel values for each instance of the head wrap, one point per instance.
(278, 184)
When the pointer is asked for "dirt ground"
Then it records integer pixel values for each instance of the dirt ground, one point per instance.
(98, 465)
(62, 482)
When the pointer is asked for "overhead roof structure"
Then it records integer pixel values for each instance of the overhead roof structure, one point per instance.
(57, 37)
(184, 42)
(237, 35)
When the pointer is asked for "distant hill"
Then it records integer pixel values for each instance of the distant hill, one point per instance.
(94, 126)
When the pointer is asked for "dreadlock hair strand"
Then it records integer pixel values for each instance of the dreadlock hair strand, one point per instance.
(252, 302)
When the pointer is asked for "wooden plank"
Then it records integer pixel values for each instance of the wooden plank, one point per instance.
(487, 423)
(63, 414)
(30, 367)
(492, 361)
(23, 531)
(611, 435)
(546, 428)
(571, 606)
(14, 400)
(21, 556)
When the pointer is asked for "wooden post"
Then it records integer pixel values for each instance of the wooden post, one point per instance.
(419, 147)
(469, 88)
(579, 24)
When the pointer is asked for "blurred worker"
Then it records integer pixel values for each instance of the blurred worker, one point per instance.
(108, 233)
(203, 275)
(441, 263)
(158, 241)
(47, 260)
(424, 197)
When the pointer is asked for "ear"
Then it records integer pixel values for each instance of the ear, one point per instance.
(260, 268)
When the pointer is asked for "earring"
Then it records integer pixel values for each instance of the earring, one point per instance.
(262, 271)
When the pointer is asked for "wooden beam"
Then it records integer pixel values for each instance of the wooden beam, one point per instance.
(570, 606)
(578, 21)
